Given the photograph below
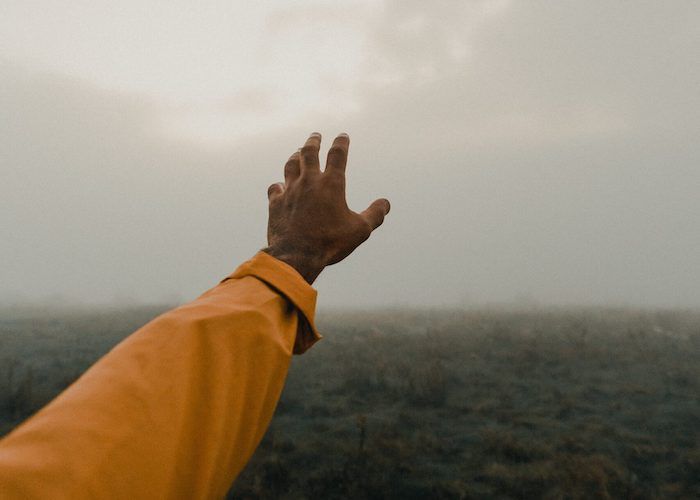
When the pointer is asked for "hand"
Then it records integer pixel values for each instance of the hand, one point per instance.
(310, 225)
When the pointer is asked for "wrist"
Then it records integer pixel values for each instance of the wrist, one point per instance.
(307, 266)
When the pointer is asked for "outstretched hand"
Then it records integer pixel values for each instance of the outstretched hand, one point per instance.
(310, 225)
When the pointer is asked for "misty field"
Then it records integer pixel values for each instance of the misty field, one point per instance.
(576, 403)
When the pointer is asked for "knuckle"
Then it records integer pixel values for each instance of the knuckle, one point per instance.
(337, 150)
(309, 149)
(310, 158)
(334, 181)
(304, 183)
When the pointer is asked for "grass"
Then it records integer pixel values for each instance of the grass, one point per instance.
(580, 403)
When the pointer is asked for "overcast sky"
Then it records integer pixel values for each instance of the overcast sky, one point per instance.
(540, 150)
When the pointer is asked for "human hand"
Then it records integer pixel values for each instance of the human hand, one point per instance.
(310, 225)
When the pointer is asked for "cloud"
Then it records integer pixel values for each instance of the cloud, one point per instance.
(555, 161)
(528, 148)
(97, 204)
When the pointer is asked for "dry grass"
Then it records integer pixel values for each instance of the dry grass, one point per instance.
(441, 404)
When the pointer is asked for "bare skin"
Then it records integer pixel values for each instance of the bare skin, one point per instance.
(310, 225)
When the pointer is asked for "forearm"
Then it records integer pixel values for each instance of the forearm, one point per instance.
(177, 408)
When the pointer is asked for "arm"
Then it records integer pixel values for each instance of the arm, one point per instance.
(177, 408)
(174, 410)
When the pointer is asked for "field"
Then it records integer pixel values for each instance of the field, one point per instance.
(545, 403)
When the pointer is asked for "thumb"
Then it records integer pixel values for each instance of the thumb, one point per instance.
(376, 212)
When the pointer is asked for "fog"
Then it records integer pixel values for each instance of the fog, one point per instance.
(532, 151)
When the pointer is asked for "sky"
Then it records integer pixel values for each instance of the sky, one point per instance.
(533, 151)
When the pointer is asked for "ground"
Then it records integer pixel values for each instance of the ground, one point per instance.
(540, 403)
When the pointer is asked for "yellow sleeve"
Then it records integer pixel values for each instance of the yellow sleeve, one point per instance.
(177, 408)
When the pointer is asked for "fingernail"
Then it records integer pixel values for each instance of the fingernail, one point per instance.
(343, 134)
(315, 134)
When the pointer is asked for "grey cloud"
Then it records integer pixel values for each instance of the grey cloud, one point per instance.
(97, 206)
(558, 160)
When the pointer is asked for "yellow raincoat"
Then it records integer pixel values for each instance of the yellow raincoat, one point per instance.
(177, 408)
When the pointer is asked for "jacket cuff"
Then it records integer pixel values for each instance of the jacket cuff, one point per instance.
(288, 282)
